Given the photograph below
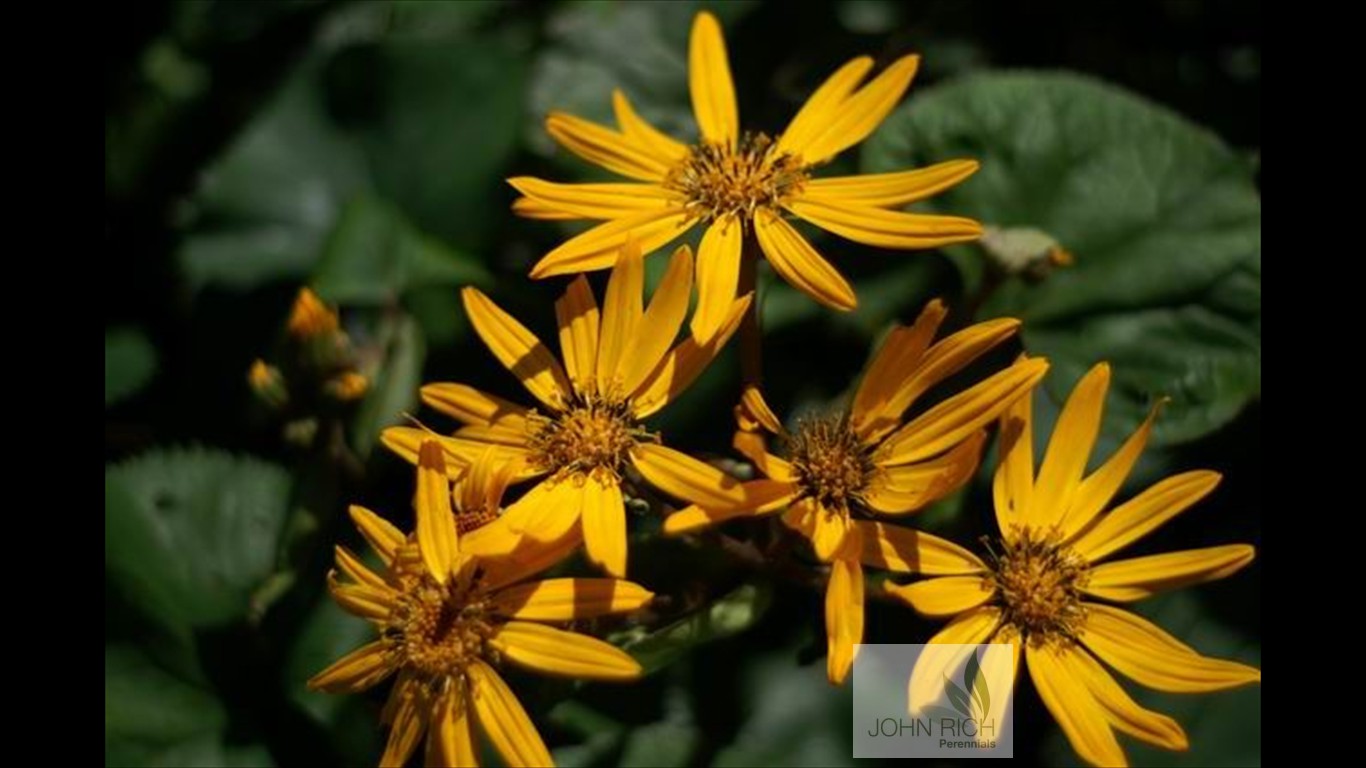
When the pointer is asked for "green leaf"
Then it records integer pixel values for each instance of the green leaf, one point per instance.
(585, 60)
(130, 361)
(261, 212)
(438, 120)
(1163, 219)
(728, 615)
(374, 256)
(394, 390)
(153, 718)
(191, 533)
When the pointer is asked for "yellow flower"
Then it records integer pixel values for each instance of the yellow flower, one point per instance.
(618, 370)
(1040, 590)
(865, 462)
(741, 184)
(310, 317)
(445, 619)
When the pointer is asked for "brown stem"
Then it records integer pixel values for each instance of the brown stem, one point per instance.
(751, 335)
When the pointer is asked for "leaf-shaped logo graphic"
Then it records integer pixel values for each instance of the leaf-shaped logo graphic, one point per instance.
(976, 682)
(957, 697)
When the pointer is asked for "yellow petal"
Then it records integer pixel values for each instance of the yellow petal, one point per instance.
(528, 558)
(1141, 651)
(470, 406)
(754, 411)
(409, 702)
(683, 364)
(483, 486)
(801, 516)
(860, 114)
(604, 147)
(798, 263)
(881, 228)
(945, 653)
(822, 108)
(379, 533)
(595, 201)
(1069, 448)
(548, 510)
(493, 539)
(604, 524)
(1097, 489)
(576, 313)
(892, 190)
(517, 349)
(909, 488)
(621, 313)
(567, 654)
(944, 596)
(1140, 577)
(751, 446)
(569, 599)
(1013, 483)
(450, 740)
(437, 538)
(1078, 713)
(1143, 513)
(357, 670)
(459, 451)
(646, 136)
(1120, 709)
(709, 82)
(758, 497)
(599, 247)
(363, 600)
(913, 378)
(504, 721)
(352, 566)
(662, 319)
(529, 208)
(718, 275)
(906, 550)
(951, 421)
(684, 477)
(843, 617)
(829, 532)
(891, 368)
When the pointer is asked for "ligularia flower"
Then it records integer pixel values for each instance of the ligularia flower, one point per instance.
(741, 185)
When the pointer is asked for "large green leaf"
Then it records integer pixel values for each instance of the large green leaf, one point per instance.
(153, 718)
(190, 533)
(1163, 218)
(130, 360)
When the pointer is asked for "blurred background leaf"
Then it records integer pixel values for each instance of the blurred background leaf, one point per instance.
(1162, 217)
(191, 533)
(130, 361)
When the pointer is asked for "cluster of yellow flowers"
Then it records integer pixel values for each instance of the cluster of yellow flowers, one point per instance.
(452, 600)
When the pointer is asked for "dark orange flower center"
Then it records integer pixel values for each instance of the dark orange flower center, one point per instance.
(833, 466)
(717, 180)
(1040, 582)
(593, 432)
(439, 629)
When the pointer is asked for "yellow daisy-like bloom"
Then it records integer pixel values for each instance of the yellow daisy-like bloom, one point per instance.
(619, 368)
(1040, 590)
(739, 184)
(865, 462)
(446, 619)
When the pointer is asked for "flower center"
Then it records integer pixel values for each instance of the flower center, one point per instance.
(439, 629)
(1040, 583)
(593, 432)
(832, 465)
(717, 180)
